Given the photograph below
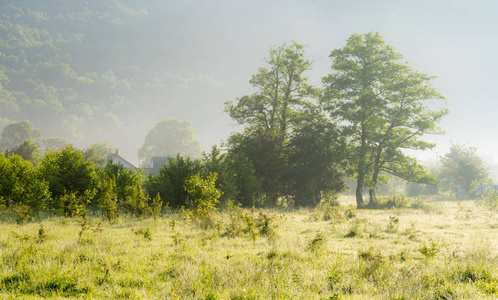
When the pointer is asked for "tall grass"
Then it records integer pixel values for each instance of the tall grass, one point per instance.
(255, 254)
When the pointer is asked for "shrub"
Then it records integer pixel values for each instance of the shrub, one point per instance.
(156, 206)
(217, 162)
(170, 182)
(242, 222)
(393, 225)
(265, 224)
(21, 187)
(129, 183)
(373, 262)
(489, 199)
(203, 196)
(317, 242)
(107, 199)
(356, 230)
(66, 173)
(248, 185)
(429, 251)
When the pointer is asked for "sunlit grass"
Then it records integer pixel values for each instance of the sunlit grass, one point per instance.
(447, 252)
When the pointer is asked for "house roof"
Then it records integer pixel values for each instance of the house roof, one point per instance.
(116, 158)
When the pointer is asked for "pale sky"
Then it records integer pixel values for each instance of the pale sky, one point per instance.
(216, 46)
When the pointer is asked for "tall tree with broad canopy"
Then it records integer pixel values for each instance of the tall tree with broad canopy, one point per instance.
(169, 138)
(383, 107)
(16, 133)
(463, 168)
(281, 87)
(279, 125)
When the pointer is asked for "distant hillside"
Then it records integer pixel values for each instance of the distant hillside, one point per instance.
(74, 68)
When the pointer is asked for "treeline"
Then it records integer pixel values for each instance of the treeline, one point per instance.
(69, 181)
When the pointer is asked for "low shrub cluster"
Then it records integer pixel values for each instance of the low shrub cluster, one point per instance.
(242, 222)
(399, 201)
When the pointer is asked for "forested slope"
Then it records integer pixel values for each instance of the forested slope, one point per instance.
(75, 67)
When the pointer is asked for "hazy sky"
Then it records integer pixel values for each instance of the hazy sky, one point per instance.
(215, 46)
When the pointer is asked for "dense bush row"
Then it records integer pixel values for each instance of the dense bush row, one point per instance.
(69, 182)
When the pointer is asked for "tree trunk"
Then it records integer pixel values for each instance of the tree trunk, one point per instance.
(359, 192)
(375, 176)
(361, 170)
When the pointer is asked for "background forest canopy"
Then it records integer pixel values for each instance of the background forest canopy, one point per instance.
(59, 70)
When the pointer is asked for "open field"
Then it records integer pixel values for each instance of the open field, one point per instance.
(447, 250)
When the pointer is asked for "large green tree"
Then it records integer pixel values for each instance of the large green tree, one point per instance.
(267, 114)
(383, 107)
(462, 168)
(16, 133)
(281, 86)
(281, 138)
(169, 138)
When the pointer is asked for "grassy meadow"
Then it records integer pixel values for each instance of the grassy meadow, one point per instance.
(442, 250)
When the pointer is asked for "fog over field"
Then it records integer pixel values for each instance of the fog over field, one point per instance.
(125, 65)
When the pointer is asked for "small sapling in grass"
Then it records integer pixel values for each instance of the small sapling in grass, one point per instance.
(317, 242)
(42, 235)
(393, 225)
(429, 251)
(178, 239)
(145, 232)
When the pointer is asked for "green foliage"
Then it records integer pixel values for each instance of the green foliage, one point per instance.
(249, 189)
(372, 263)
(156, 206)
(220, 163)
(243, 223)
(290, 145)
(416, 189)
(14, 134)
(281, 87)
(107, 199)
(462, 168)
(137, 202)
(489, 199)
(170, 181)
(266, 224)
(128, 187)
(54, 144)
(383, 106)
(21, 186)
(68, 204)
(326, 211)
(67, 173)
(393, 225)
(429, 251)
(145, 232)
(28, 150)
(169, 138)
(306, 260)
(315, 152)
(203, 195)
(265, 152)
(97, 153)
(317, 242)
(46, 75)
(356, 230)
